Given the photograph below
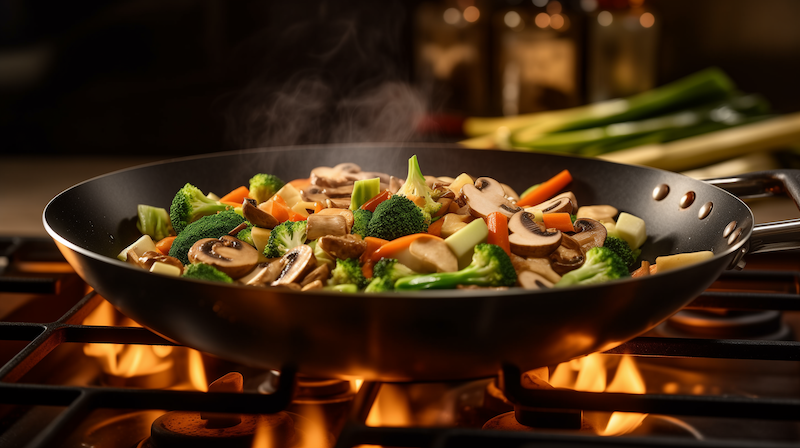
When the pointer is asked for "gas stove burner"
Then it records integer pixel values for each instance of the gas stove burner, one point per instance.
(189, 429)
(765, 325)
(651, 425)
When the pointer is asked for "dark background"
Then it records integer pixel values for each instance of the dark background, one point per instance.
(179, 77)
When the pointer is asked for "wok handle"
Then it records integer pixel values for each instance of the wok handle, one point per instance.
(774, 236)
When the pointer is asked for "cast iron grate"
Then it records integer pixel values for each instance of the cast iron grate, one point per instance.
(42, 338)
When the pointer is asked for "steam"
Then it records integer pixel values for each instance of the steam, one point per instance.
(333, 77)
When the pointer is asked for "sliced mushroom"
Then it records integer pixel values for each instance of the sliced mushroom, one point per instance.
(532, 280)
(314, 193)
(531, 239)
(346, 213)
(602, 213)
(453, 222)
(263, 275)
(489, 185)
(316, 284)
(321, 225)
(226, 253)
(563, 203)
(589, 233)
(320, 273)
(434, 255)
(149, 258)
(344, 191)
(540, 266)
(510, 193)
(568, 256)
(257, 216)
(343, 247)
(296, 264)
(337, 203)
(482, 203)
(338, 175)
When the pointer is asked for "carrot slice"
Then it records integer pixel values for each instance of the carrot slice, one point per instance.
(232, 204)
(366, 258)
(436, 227)
(276, 209)
(644, 270)
(498, 231)
(558, 221)
(237, 195)
(372, 203)
(546, 190)
(318, 206)
(294, 216)
(163, 245)
(300, 183)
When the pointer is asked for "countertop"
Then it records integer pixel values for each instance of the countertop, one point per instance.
(29, 183)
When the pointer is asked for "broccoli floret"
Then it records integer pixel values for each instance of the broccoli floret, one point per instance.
(189, 205)
(264, 186)
(211, 226)
(415, 185)
(153, 221)
(361, 220)
(348, 272)
(622, 249)
(246, 234)
(385, 273)
(396, 217)
(601, 265)
(202, 271)
(490, 266)
(285, 237)
(363, 191)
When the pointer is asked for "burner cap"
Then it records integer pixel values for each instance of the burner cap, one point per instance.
(179, 428)
(726, 325)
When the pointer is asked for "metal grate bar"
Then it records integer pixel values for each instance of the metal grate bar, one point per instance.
(710, 348)
(80, 401)
(355, 434)
(780, 409)
(746, 301)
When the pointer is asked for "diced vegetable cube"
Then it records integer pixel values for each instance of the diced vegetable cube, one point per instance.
(631, 229)
(463, 242)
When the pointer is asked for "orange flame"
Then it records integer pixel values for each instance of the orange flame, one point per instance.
(132, 360)
(589, 374)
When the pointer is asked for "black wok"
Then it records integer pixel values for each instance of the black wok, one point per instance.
(422, 335)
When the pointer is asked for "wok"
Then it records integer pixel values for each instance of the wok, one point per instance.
(456, 334)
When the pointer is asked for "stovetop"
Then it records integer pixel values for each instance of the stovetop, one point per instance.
(706, 383)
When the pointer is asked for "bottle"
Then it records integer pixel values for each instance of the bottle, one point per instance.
(622, 43)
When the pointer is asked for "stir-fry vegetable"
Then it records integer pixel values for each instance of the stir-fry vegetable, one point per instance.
(349, 231)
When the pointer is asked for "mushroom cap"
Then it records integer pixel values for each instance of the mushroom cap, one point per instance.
(563, 203)
(489, 185)
(323, 225)
(532, 280)
(481, 203)
(568, 256)
(589, 233)
(226, 253)
(257, 216)
(434, 255)
(529, 238)
(296, 264)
